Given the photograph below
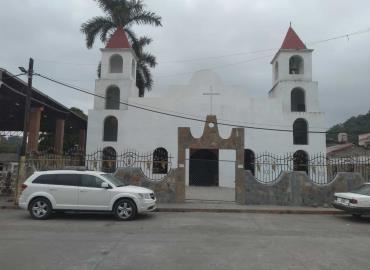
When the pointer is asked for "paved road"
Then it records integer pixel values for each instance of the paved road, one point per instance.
(184, 241)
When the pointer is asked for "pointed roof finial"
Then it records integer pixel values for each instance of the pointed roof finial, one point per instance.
(292, 41)
(119, 39)
(290, 24)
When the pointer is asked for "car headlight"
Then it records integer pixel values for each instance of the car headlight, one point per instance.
(144, 196)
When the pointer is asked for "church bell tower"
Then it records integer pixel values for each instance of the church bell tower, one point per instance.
(118, 72)
(292, 76)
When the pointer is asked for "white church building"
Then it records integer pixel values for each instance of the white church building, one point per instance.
(287, 120)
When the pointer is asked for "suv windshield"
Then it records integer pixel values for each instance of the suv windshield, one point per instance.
(363, 190)
(114, 180)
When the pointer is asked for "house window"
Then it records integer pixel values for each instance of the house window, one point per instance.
(109, 160)
(249, 161)
(300, 132)
(112, 98)
(110, 129)
(116, 64)
(297, 99)
(160, 161)
(300, 161)
(296, 65)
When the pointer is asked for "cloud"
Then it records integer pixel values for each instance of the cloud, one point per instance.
(49, 32)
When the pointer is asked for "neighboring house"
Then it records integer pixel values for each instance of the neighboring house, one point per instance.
(291, 105)
(364, 140)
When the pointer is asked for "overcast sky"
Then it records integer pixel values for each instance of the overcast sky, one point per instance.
(48, 30)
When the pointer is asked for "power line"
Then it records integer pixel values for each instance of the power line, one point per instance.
(236, 122)
(218, 56)
(34, 99)
(347, 35)
(219, 66)
(169, 114)
(270, 49)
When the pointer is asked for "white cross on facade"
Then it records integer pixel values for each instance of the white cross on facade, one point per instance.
(211, 94)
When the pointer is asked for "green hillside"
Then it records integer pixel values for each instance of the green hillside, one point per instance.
(353, 126)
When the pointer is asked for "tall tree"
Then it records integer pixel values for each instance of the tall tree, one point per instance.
(146, 60)
(125, 13)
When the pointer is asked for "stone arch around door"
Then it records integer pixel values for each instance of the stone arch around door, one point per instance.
(211, 139)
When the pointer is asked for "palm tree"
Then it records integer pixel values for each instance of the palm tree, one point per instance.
(145, 61)
(125, 13)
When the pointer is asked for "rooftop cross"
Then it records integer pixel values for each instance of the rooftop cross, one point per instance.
(211, 94)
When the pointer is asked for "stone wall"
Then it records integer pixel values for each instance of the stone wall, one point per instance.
(297, 189)
(165, 190)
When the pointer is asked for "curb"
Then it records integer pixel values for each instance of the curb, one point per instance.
(252, 211)
(221, 210)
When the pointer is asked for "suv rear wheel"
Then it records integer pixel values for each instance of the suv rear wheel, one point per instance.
(40, 208)
(125, 209)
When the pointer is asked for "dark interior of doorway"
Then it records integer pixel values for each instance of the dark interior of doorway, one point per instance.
(203, 167)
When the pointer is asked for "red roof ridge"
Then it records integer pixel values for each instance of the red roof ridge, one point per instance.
(292, 41)
(118, 40)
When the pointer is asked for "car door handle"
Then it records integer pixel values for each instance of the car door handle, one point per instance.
(83, 190)
(53, 189)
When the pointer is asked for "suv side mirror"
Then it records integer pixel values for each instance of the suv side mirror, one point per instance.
(105, 185)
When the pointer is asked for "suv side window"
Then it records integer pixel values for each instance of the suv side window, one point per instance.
(91, 181)
(67, 179)
(48, 179)
(58, 179)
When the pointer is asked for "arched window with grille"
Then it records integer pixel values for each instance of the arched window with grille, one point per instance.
(300, 132)
(160, 161)
(297, 99)
(296, 65)
(249, 160)
(109, 160)
(110, 129)
(116, 64)
(112, 98)
(300, 161)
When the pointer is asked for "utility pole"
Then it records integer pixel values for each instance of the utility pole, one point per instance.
(27, 107)
(26, 124)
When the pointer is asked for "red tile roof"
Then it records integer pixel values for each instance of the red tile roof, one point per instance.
(118, 40)
(292, 41)
(338, 147)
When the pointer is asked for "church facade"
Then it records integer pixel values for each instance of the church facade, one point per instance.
(287, 120)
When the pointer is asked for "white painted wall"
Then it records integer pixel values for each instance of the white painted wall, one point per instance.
(145, 131)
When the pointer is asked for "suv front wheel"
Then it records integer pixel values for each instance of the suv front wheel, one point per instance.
(40, 208)
(125, 209)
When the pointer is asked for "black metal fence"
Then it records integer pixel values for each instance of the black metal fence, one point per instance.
(320, 168)
(154, 165)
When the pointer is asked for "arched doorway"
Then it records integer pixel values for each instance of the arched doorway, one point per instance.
(300, 161)
(109, 160)
(160, 161)
(249, 160)
(203, 167)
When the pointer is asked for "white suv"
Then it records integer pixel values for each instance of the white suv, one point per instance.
(50, 191)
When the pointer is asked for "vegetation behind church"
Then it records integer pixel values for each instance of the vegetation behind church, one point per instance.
(354, 126)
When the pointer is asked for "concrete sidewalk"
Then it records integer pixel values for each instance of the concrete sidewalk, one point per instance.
(228, 207)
